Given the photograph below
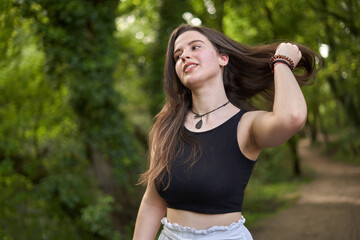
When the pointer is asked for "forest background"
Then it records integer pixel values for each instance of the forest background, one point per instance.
(81, 81)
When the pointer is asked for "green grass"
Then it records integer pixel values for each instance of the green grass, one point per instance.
(347, 153)
(263, 200)
(343, 147)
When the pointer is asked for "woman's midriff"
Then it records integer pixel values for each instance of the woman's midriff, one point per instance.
(199, 220)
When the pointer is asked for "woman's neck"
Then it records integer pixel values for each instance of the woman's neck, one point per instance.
(206, 100)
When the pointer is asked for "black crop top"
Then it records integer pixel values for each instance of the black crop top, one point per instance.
(217, 181)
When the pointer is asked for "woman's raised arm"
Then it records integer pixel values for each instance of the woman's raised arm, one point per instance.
(270, 129)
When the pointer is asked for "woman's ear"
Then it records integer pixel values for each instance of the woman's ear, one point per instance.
(223, 59)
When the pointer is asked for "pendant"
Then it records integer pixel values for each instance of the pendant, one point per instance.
(199, 124)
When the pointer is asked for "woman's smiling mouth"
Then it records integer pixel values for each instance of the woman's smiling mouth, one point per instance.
(189, 66)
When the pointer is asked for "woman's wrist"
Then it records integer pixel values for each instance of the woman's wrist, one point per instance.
(280, 63)
(274, 60)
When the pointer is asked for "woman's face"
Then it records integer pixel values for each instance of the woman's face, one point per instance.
(196, 60)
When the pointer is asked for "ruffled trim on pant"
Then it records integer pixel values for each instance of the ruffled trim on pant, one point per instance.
(177, 227)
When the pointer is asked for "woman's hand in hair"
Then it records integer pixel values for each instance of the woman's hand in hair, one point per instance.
(290, 50)
(288, 116)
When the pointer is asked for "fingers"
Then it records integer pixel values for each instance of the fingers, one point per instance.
(290, 50)
(287, 46)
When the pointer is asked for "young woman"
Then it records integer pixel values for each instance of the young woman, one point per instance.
(207, 137)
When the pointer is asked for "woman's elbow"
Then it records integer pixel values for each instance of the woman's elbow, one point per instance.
(296, 120)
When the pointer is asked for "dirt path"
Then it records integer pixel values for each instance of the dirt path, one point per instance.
(329, 207)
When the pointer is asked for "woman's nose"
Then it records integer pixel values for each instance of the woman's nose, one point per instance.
(184, 55)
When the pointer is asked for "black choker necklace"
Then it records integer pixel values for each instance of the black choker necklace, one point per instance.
(199, 124)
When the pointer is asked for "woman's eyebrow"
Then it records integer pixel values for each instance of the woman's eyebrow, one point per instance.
(189, 43)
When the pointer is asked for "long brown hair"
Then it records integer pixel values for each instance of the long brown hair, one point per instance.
(246, 76)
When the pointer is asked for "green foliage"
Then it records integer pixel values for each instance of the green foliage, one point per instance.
(22, 210)
(136, 36)
(266, 199)
(273, 161)
(98, 218)
(42, 167)
(346, 147)
(339, 107)
(87, 69)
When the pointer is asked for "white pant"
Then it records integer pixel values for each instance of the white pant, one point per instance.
(235, 231)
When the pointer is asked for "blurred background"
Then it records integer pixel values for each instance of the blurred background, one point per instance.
(80, 83)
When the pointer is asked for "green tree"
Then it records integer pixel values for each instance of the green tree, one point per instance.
(80, 52)
(340, 32)
(38, 143)
(168, 21)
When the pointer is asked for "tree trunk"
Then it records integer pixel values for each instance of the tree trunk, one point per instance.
(169, 20)
(81, 50)
(293, 142)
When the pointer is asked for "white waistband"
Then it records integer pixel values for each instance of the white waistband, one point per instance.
(177, 227)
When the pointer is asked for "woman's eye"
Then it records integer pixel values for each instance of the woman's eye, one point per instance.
(195, 47)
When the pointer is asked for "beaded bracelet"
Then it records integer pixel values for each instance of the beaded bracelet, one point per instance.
(284, 58)
(279, 61)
